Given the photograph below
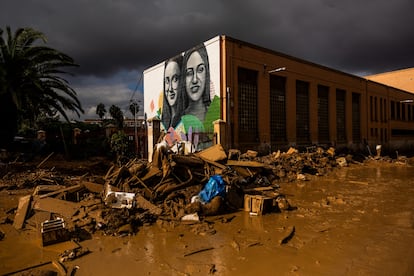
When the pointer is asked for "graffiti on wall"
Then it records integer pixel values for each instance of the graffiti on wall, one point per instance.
(188, 103)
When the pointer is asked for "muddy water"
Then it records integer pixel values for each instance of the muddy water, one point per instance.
(357, 221)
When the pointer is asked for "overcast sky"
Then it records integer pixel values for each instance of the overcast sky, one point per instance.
(113, 41)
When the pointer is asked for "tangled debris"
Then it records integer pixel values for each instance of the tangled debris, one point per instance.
(170, 188)
(173, 188)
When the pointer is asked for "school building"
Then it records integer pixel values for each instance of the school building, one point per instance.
(270, 101)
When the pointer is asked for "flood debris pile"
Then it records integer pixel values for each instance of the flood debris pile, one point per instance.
(194, 190)
(172, 188)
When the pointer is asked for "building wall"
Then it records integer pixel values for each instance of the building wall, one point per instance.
(401, 79)
(169, 97)
(373, 99)
(267, 100)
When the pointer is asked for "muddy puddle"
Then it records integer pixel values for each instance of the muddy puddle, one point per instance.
(358, 220)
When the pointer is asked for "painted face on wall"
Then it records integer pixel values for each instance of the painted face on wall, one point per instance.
(172, 81)
(195, 76)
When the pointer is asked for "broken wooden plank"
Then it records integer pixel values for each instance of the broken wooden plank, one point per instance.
(243, 171)
(57, 206)
(214, 153)
(22, 210)
(258, 189)
(198, 251)
(253, 164)
(93, 187)
(190, 160)
(219, 165)
(46, 189)
(153, 171)
(44, 160)
(73, 188)
(108, 173)
(145, 204)
(142, 183)
(38, 217)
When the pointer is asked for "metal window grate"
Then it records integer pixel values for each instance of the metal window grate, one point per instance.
(247, 105)
(302, 111)
(277, 109)
(323, 114)
(356, 117)
(340, 116)
(398, 110)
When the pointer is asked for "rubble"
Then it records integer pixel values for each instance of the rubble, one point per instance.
(174, 188)
(164, 189)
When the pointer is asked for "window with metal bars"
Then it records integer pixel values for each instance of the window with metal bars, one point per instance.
(277, 109)
(340, 116)
(371, 108)
(323, 114)
(403, 112)
(398, 110)
(356, 117)
(302, 111)
(247, 105)
(412, 112)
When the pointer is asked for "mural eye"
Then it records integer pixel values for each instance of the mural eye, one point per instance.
(201, 68)
(167, 81)
(189, 72)
(175, 78)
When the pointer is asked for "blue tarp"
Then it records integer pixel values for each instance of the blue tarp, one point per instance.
(214, 187)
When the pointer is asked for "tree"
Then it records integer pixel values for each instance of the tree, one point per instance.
(100, 110)
(134, 108)
(117, 115)
(119, 146)
(31, 81)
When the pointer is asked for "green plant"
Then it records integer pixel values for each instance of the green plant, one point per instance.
(119, 146)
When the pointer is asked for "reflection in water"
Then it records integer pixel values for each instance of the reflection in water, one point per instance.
(149, 248)
(378, 174)
(253, 222)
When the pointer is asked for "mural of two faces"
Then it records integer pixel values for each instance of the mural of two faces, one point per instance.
(189, 104)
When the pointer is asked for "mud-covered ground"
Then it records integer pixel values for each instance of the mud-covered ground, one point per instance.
(357, 220)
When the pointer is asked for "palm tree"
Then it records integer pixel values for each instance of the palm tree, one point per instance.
(133, 108)
(100, 110)
(31, 81)
(117, 115)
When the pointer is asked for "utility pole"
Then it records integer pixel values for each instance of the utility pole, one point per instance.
(135, 105)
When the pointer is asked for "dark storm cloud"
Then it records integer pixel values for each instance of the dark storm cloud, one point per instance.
(115, 40)
(107, 36)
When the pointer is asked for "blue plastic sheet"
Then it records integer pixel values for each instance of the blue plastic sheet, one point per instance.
(214, 187)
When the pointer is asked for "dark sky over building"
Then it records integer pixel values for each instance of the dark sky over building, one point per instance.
(113, 41)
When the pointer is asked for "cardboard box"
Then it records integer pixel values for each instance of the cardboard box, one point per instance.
(258, 204)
